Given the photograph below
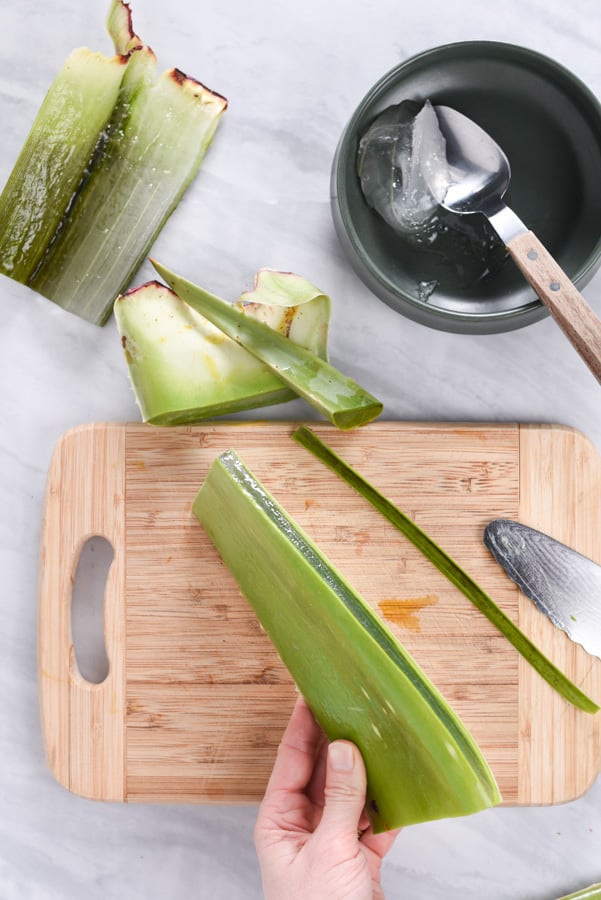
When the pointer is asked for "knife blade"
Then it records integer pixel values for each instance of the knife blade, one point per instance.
(562, 583)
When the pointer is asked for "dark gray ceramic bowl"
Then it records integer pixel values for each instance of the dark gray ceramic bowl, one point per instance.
(549, 125)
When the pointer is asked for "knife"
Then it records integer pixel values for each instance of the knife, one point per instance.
(562, 583)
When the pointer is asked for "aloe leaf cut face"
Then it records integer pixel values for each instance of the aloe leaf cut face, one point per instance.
(359, 681)
(184, 370)
(345, 403)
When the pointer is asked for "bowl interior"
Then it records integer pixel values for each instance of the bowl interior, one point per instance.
(548, 124)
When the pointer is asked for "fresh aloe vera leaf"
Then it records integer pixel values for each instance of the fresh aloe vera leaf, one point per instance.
(359, 681)
(445, 564)
(183, 369)
(592, 892)
(159, 136)
(338, 397)
(54, 158)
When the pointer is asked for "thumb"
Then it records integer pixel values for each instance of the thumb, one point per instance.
(344, 791)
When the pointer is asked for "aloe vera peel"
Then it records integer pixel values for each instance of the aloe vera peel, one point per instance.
(336, 396)
(445, 564)
(592, 892)
(183, 369)
(359, 681)
(50, 166)
(108, 158)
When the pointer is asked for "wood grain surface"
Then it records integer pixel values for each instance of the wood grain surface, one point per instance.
(196, 698)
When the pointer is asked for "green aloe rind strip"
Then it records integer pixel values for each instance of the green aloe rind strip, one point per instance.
(445, 564)
(183, 369)
(360, 682)
(107, 160)
(345, 403)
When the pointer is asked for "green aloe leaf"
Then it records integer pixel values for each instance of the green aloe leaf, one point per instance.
(183, 369)
(336, 396)
(359, 681)
(107, 160)
(445, 564)
(54, 158)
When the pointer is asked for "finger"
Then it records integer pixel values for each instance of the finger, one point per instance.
(316, 787)
(344, 792)
(380, 844)
(295, 758)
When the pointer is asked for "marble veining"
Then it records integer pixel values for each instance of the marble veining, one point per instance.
(293, 75)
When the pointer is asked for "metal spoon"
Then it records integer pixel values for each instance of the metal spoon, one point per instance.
(480, 175)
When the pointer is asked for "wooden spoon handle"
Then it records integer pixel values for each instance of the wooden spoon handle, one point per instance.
(567, 306)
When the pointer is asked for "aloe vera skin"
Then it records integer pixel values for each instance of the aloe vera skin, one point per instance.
(54, 157)
(120, 26)
(340, 399)
(359, 681)
(445, 564)
(157, 141)
(592, 892)
(184, 370)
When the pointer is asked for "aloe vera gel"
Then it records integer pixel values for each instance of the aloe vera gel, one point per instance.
(401, 161)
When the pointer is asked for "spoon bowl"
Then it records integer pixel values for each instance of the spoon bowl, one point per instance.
(478, 167)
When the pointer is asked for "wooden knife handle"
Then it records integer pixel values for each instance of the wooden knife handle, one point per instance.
(567, 306)
(83, 723)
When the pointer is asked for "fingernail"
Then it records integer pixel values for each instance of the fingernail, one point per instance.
(341, 756)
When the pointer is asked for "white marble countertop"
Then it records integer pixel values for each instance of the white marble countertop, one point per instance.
(293, 74)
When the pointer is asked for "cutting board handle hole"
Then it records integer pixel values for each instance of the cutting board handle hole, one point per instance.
(87, 609)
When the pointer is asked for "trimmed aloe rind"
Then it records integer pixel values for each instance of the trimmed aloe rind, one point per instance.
(184, 370)
(336, 396)
(445, 564)
(359, 681)
(106, 162)
(54, 158)
(120, 26)
(158, 137)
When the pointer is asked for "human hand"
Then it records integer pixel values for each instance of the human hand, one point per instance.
(312, 836)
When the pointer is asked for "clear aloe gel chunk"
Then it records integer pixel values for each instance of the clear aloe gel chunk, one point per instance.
(400, 148)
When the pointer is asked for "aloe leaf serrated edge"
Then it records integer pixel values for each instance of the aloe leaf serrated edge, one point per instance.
(445, 564)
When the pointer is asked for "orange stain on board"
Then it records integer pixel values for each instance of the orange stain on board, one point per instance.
(405, 612)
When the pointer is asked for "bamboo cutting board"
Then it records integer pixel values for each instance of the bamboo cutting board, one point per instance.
(196, 698)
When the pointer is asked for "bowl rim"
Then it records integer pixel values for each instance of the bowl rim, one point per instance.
(587, 101)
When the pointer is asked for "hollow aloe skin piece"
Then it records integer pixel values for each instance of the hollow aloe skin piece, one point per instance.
(120, 26)
(108, 158)
(54, 157)
(338, 397)
(184, 370)
(157, 140)
(359, 681)
(445, 564)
